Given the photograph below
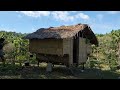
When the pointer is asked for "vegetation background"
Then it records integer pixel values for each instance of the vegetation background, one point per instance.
(102, 63)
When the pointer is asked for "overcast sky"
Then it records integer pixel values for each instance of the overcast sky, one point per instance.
(29, 21)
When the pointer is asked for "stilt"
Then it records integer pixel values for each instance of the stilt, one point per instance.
(38, 63)
(3, 60)
(83, 67)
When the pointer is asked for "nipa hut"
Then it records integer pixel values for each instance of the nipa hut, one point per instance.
(66, 45)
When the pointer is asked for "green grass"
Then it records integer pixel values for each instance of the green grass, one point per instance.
(59, 72)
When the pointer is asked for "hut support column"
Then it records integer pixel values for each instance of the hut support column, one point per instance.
(71, 52)
(83, 67)
(38, 63)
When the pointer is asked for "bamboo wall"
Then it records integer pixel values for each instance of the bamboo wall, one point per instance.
(82, 50)
(66, 46)
(46, 46)
(68, 49)
(60, 48)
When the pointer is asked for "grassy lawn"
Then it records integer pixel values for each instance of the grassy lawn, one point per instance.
(59, 72)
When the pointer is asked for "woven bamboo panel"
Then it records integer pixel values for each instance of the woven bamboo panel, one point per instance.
(68, 49)
(66, 46)
(82, 51)
(50, 46)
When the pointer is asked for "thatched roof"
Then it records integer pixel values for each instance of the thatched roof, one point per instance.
(63, 32)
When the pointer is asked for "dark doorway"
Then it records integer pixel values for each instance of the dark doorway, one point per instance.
(76, 48)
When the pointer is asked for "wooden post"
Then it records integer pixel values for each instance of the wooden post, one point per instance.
(71, 52)
(38, 63)
(3, 62)
(83, 66)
